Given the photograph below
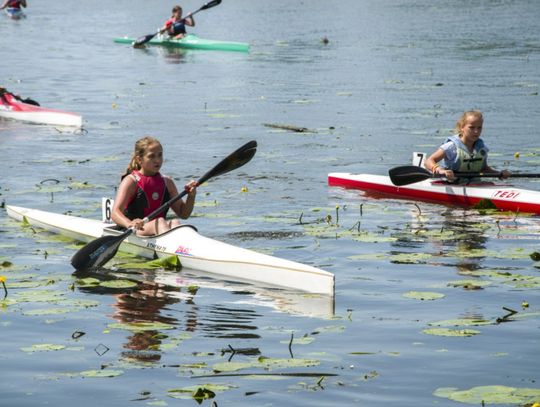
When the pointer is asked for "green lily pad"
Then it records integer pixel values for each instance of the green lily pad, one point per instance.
(423, 295)
(118, 283)
(461, 322)
(409, 258)
(264, 363)
(167, 263)
(141, 326)
(102, 373)
(199, 393)
(48, 311)
(488, 395)
(88, 282)
(42, 347)
(450, 332)
(469, 284)
(304, 340)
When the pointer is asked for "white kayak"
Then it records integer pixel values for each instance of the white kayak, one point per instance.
(193, 250)
(503, 196)
(11, 108)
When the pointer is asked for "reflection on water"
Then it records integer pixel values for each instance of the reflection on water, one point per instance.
(229, 322)
(172, 55)
(170, 298)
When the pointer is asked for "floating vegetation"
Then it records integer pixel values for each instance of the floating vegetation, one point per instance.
(469, 284)
(167, 263)
(264, 363)
(450, 332)
(199, 393)
(461, 322)
(48, 311)
(304, 340)
(141, 326)
(409, 258)
(101, 373)
(485, 204)
(42, 347)
(423, 295)
(118, 284)
(488, 395)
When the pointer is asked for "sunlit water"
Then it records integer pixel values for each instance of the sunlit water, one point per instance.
(393, 79)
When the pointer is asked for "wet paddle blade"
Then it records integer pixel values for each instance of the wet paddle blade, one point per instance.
(233, 161)
(144, 39)
(208, 5)
(98, 252)
(408, 174)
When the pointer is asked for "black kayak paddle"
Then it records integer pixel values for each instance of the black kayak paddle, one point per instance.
(409, 174)
(145, 38)
(99, 251)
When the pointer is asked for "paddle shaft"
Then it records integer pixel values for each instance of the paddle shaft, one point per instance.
(409, 174)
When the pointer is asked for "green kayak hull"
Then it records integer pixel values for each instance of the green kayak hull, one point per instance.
(192, 42)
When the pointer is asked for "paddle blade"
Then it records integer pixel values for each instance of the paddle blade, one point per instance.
(210, 4)
(233, 161)
(143, 40)
(98, 252)
(408, 174)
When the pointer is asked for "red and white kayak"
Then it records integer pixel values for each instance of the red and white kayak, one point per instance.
(11, 108)
(505, 197)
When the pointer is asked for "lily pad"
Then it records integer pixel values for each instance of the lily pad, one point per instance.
(141, 326)
(199, 393)
(264, 363)
(118, 284)
(42, 347)
(461, 322)
(409, 258)
(423, 295)
(450, 332)
(102, 373)
(167, 263)
(488, 395)
(304, 340)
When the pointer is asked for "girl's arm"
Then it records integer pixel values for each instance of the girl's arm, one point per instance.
(433, 166)
(189, 20)
(127, 188)
(183, 208)
(504, 173)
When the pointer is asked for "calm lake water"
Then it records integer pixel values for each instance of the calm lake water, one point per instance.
(392, 79)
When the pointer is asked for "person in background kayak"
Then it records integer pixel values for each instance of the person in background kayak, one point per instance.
(463, 152)
(176, 25)
(143, 189)
(4, 92)
(14, 4)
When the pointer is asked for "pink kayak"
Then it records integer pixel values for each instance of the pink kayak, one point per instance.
(12, 108)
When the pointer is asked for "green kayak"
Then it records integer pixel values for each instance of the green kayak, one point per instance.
(191, 41)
